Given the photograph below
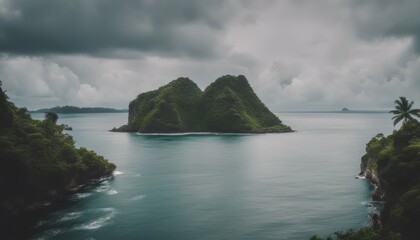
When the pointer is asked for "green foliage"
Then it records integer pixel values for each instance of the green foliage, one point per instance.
(6, 113)
(396, 159)
(38, 161)
(227, 105)
(170, 108)
(403, 111)
(398, 165)
(51, 117)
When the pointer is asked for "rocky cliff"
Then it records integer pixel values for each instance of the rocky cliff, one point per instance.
(392, 164)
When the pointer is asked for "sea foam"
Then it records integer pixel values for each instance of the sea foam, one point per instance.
(108, 213)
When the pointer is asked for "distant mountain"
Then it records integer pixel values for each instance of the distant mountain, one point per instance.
(72, 109)
(228, 105)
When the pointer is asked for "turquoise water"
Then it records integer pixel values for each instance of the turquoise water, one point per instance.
(267, 186)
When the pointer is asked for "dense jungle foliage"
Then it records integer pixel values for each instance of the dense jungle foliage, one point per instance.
(39, 162)
(396, 159)
(228, 105)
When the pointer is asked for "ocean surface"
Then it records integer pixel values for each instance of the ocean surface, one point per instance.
(213, 186)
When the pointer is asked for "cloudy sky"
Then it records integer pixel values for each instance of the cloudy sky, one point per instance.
(297, 54)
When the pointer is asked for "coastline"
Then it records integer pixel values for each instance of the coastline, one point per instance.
(368, 171)
(125, 128)
(19, 219)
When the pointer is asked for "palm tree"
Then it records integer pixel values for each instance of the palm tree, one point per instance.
(403, 111)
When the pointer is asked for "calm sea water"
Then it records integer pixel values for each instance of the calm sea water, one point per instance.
(267, 186)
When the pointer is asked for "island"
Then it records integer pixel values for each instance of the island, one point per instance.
(73, 109)
(228, 105)
(40, 165)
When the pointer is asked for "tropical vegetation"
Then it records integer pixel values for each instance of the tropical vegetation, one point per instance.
(228, 105)
(39, 163)
(395, 160)
(403, 111)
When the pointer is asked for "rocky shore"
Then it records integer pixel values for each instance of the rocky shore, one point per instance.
(369, 172)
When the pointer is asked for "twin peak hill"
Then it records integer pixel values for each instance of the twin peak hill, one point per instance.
(228, 105)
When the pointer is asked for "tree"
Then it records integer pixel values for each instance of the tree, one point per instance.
(403, 111)
(51, 116)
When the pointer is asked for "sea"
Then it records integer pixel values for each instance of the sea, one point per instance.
(221, 186)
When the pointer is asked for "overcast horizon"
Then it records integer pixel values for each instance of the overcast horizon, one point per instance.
(296, 54)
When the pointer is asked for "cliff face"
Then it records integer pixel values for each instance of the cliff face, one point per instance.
(369, 171)
(392, 164)
(228, 105)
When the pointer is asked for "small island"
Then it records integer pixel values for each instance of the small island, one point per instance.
(228, 105)
(73, 109)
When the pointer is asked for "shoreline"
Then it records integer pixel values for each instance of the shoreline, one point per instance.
(377, 195)
(21, 221)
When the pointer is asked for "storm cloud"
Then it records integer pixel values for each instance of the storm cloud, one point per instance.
(389, 18)
(298, 55)
(181, 28)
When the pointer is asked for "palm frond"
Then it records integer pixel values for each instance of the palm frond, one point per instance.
(409, 117)
(410, 105)
(398, 119)
(395, 112)
(415, 112)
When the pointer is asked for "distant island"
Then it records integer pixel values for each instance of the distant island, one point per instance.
(39, 165)
(345, 110)
(73, 109)
(228, 105)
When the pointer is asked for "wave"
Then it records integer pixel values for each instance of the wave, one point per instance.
(360, 177)
(50, 233)
(112, 192)
(98, 222)
(70, 216)
(81, 195)
(136, 198)
(115, 173)
(104, 187)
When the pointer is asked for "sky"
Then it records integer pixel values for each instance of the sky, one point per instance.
(296, 54)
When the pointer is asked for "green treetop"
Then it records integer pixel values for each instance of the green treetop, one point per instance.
(403, 111)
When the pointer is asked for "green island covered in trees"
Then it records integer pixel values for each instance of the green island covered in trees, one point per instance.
(73, 109)
(228, 105)
(39, 164)
(392, 164)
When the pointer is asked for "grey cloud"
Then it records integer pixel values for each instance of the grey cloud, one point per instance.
(387, 18)
(181, 27)
(285, 72)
